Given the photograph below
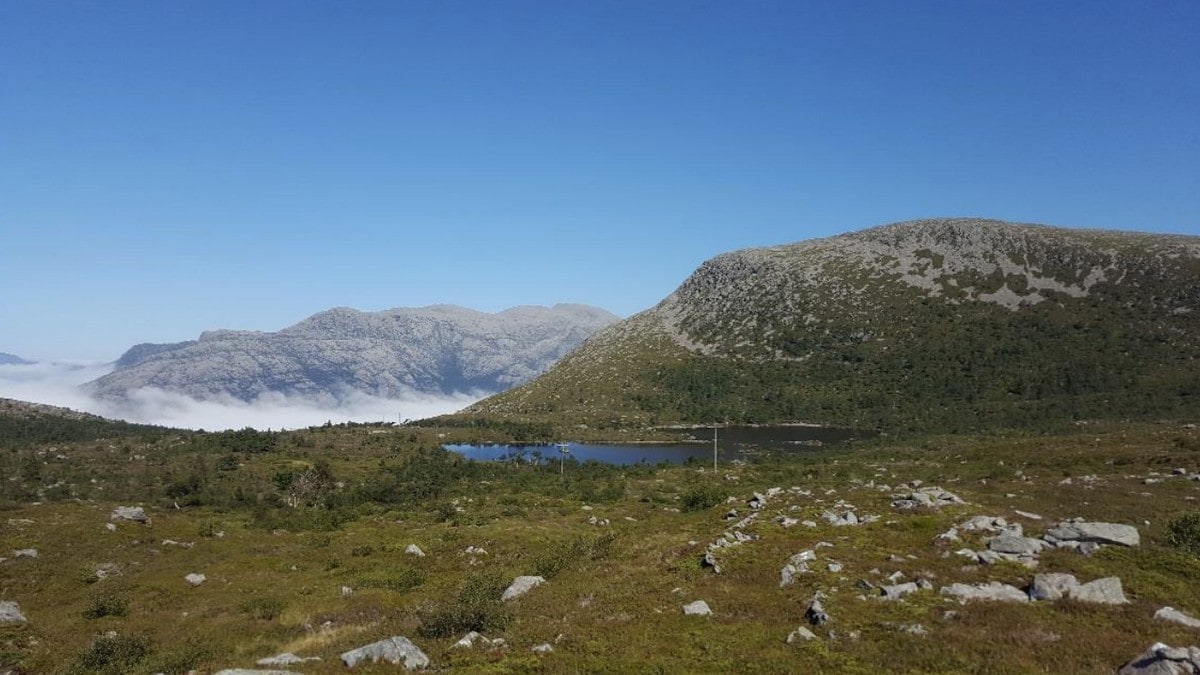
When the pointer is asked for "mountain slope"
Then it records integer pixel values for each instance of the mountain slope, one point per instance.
(7, 359)
(933, 324)
(438, 349)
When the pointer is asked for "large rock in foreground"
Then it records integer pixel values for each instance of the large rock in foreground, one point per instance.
(1160, 659)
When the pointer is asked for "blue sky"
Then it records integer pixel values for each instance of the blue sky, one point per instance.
(169, 167)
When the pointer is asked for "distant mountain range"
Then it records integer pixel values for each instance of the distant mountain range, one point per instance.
(12, 360)
(440, 349)
(948, 324)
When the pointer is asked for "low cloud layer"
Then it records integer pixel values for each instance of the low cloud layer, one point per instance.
(59, 384)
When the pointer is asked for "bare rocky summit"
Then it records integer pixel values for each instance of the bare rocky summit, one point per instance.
(439, 349)
(936, 324)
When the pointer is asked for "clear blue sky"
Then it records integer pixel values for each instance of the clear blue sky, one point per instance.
(168, 167)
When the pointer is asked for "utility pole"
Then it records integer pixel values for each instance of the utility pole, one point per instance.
(714, 447)
(563, 450)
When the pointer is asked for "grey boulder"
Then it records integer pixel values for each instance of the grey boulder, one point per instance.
(1014, 545)
(1176, 616)
(899, 590)
(286, 659)
(10, 612)
(1160, 659)
(1105, 591)
(520, 586)
(395, 650)
(1100, 533)
(801, 633)
(134, 513)
(1052, 586)
(697, 608)
(990, 591)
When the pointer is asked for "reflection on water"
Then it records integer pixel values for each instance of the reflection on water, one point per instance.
(732, 443)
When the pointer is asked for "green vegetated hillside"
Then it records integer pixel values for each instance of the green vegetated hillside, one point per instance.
(927, 325)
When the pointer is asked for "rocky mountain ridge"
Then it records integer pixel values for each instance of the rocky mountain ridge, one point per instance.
(439, 349)
(942, 323)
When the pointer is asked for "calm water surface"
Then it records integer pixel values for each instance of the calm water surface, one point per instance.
(732, 443)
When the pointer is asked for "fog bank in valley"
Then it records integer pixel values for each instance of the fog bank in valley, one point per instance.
(60, 384)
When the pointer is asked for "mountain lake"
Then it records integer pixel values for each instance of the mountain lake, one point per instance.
(733, 443)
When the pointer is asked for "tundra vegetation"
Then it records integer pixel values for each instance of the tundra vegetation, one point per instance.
(303, 540)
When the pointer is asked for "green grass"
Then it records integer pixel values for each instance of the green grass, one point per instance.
(613, 592)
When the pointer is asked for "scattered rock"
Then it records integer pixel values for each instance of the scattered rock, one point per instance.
(1176, 616)
(1106, 591)
(990, 591)
(1016, 545)
(984, 524)
(253, 671)
(697, 608)
(10, 612)
(840, 519)
(394, 650)
(413, 549)
(544, 648)
(1160, 659)
(111, 527)
(710, 562)
(134, 513)
(195, 579)
(469, 641)
(1099, 533)
(1052, 586)
(286, 659)
(801, 633)
(1026, 514)
(932, 497)
(815, 614)
(898, 591)
(250, 671)
(172, 542)
(25, 553)
(105, 570)
(346, 591)
(520, 586)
